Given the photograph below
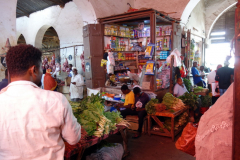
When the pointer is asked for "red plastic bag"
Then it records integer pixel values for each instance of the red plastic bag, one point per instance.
(186, 142)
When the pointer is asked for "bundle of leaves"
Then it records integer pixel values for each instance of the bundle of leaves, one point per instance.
(190, 100)
(206, 101)
(188, 84)
(150, 106)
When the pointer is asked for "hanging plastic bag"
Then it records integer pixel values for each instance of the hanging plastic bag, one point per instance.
(177, 58)
(186, 142)
(111, 58)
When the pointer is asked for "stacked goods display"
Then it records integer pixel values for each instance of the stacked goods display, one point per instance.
(190, 100)
(90, 114)
(172, 102)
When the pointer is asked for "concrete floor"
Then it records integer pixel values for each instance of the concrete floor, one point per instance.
(151, 148)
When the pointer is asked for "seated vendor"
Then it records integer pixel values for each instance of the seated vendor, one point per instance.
(179, 88)
(141, 99)
(129, 98)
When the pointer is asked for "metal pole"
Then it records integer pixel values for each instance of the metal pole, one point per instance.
(236, 91)
(153, 40)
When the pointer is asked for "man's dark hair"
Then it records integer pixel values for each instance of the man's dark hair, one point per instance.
(105, 55)
(21, 57)
(136, 90)
(70, 65)
(124, 87)
(6, 72)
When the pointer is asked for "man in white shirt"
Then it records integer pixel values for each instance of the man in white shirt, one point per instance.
(33, 122)
(76, 86)
(179, 88)
(211, 76)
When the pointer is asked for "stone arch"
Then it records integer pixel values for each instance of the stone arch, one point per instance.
(40, 34)
(87, 11)
(21, 36)
(188, 10)
(214, 17)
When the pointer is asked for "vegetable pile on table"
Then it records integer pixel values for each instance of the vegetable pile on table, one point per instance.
(189, 99)
(90, 114)
(172, 102)
(150, 106)
(197, 89)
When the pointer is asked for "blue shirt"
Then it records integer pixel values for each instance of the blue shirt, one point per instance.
(3, 84)
(196, 79)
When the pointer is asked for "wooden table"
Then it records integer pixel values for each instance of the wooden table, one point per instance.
(80, 147)
(165, 132)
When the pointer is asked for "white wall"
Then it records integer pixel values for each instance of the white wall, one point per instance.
(197, 20)
(66, 21)
(7, 26)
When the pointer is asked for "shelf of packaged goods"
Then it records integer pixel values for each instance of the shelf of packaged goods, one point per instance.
(125, 60)
(119, 36)
(135, 38)
(120, 70)
(163, 50)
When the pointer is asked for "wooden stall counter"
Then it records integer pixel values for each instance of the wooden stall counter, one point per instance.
(165, 132)
(79, 148)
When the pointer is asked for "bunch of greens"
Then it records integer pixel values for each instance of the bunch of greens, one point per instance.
(188, 84)
(197, 89)
(168, 100)
(189, 99)
(172, 102)
(206, 101)
(90, 114)
(150, 108)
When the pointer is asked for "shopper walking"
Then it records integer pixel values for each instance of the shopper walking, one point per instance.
(224, 76)
(4, 81)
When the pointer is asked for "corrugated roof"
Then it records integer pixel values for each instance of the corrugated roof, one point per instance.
(26, 7)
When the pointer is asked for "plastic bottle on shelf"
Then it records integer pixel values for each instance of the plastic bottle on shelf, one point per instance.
(170, 44)
(157, 31)
(112, 30)
(165, 43)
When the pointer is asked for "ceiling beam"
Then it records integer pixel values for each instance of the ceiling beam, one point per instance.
(58, 2)
(25, 13)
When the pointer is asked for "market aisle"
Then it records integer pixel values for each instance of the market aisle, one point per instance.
(152, 148)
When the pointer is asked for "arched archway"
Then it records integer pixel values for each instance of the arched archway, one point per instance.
(21, 40)
(49, 36)
(188, 10)
(50, 39)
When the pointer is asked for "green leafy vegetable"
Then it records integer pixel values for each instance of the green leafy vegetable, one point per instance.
(189, 99)
(206, 101)
(188, 84)
(150, 108)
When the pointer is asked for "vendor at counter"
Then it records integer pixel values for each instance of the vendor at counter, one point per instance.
(76, 86)
(179, 88)
(34, 121)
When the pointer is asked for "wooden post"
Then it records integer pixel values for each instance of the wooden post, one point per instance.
(236, 91)
(153, 40)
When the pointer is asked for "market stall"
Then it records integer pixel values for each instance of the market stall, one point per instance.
(97, 125)
(86, 142)
(136, 42)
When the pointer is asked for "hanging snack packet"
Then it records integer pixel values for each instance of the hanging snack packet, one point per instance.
(150, 68)
(149, 50)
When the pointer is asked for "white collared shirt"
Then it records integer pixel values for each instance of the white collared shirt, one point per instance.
(179, 90)
(34, 122)
(77, 90)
